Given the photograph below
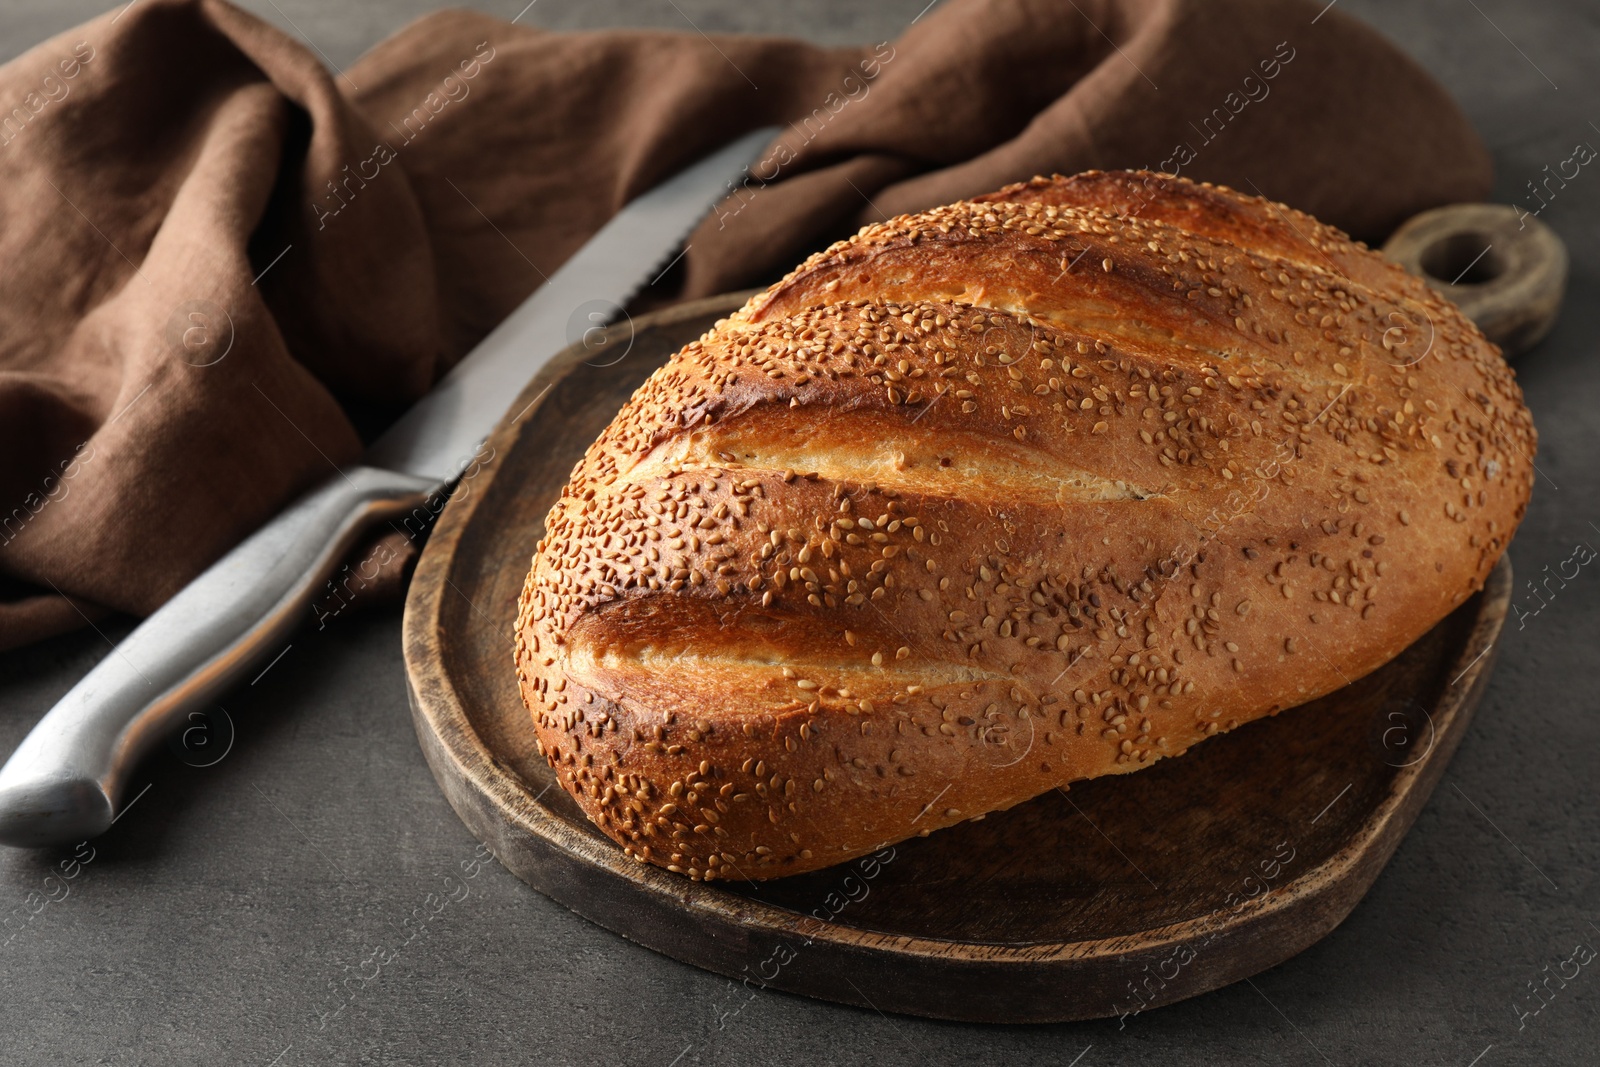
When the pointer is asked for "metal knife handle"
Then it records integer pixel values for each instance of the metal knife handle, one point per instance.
(65, 781)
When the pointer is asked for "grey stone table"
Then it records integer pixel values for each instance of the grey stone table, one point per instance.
(222, 919)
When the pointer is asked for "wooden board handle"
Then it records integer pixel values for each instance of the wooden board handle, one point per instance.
(1504, 269)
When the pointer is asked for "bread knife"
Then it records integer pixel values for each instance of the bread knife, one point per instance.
(66, 780)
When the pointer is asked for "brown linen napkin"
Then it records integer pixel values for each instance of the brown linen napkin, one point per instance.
(225, 267)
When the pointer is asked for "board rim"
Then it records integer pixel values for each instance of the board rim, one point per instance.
(464, 765)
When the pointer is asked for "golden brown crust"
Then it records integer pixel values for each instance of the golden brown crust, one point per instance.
(1000, 496)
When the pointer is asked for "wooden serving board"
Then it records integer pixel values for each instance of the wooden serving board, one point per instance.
(1126, 893)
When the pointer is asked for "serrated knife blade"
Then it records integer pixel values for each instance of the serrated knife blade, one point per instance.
(443, 430)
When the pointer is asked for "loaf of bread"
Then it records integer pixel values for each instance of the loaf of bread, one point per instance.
(1003, 495)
